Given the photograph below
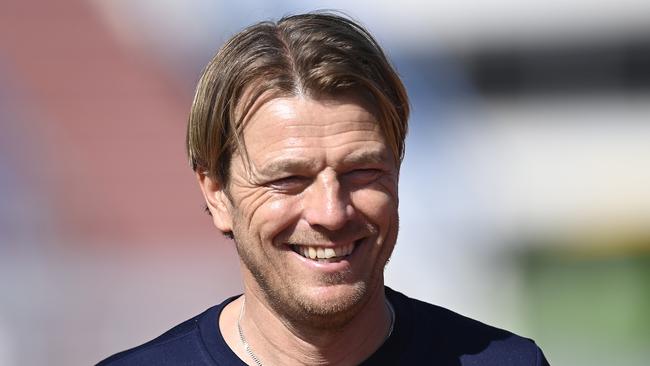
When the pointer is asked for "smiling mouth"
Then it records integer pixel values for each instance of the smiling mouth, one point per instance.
(325, 254)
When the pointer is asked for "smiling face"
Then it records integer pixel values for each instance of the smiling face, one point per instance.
(313, 209)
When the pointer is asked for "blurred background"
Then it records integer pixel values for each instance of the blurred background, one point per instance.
(525, 192)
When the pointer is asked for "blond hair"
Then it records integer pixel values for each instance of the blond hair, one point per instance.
(315, 54)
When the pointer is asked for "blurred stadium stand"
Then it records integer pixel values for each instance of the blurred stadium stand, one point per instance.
(526, 170)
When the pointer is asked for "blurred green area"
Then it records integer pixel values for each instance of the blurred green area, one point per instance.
(590, 304)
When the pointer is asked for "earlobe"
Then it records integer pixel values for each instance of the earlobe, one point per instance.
(218, 202)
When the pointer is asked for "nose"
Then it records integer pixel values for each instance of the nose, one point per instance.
(326, 203)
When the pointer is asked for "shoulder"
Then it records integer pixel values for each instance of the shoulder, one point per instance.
(184, 344)
(180, 340)
(459, 339)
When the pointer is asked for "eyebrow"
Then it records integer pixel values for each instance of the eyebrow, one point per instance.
(288, 164)
(360, 157)
(302, 164)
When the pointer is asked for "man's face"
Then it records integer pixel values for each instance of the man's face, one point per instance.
(314, 208)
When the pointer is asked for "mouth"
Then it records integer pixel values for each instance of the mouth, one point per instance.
(325, 254)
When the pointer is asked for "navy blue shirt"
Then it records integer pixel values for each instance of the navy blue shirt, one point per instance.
(423, 334)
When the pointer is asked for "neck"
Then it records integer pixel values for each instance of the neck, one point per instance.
(274, 339)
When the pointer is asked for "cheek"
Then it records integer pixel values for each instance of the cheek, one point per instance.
(274, 216)
(380, 209)
(377, 205)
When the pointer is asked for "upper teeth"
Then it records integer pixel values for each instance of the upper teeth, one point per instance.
(323, 253)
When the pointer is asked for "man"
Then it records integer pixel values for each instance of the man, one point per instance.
(296, 135)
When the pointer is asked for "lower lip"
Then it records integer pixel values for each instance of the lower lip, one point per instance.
(337, 266)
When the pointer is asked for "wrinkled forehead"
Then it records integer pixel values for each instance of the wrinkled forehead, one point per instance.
(310, 131)
(258, 94)
(256, 106)
(303, 117)
(302, 134)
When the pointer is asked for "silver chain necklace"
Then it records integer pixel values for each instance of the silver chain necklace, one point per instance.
(257, 361)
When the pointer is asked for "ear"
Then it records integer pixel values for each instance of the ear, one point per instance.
(218, 202)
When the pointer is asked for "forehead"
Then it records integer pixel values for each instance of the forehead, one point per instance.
(303, 127)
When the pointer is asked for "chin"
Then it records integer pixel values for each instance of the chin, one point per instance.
(329, 307)
(334, 298)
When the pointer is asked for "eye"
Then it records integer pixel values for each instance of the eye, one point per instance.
(363, 176)
(291, 183)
